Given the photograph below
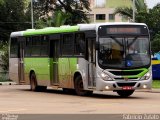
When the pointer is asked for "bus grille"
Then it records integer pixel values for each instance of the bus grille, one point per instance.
(134, 78)
(126, 84)
(123, 73)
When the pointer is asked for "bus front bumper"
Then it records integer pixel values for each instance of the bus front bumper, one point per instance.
(123, 85)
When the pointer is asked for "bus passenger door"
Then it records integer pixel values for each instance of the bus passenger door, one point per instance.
(54, 54)
(91, 61)
(21, 60)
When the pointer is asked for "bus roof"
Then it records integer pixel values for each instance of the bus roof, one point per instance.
(66, 29)
(51, 30)
(95, 26)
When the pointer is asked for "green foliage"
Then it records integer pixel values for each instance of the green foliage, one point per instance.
(40, 24)
(4, 55)
(12, 17)
(59, 18)
(1, 2)
(68, 12)
(77, 8)
(124, 11)
(153, 20)
(140, 13)
(155, 44)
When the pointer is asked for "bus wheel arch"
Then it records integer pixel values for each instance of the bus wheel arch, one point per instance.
(79, 86)
(33, 81)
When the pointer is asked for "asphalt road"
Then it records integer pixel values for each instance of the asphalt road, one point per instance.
(18, 99)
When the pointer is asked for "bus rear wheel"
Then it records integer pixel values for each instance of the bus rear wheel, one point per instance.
(34, 85)
(125, 93)
(78, 84)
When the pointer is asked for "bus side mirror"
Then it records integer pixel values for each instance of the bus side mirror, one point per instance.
(97, 45)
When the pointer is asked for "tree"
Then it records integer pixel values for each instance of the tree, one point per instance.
(140, 14)
(74, 11)
(155, 44)
(77, 8)
(4, 62)
(12, 17)
(59, 18)
(153, 20)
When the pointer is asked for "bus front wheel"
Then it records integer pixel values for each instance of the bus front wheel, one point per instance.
(78, 84)
(125, 93)
(34, 85)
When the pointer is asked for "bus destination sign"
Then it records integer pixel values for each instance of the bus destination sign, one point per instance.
(123, 30)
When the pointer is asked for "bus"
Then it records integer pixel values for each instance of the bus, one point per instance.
(156, 66)
(84, 58)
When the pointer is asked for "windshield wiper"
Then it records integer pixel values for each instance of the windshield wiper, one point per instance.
(132, 41)
(116, 40)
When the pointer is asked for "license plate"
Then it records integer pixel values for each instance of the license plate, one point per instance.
(127, 88)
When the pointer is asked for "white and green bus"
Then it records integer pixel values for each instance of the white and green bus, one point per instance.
(84, 58)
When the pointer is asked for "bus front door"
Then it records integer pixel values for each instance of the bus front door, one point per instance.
(21, 61)
(91, 62)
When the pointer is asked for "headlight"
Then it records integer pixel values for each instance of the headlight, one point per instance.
(104, 76)
(146, 76)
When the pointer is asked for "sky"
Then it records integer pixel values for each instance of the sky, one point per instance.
(152, 3)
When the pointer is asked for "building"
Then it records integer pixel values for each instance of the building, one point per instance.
(102, 10)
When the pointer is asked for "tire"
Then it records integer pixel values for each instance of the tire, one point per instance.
(78, 84)
(34, 85)
(125, 93)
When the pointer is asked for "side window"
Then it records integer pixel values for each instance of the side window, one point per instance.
(80, 44)
(14, 48)
(36, 46)
(28, 48)
(67, 45)
(44, 46)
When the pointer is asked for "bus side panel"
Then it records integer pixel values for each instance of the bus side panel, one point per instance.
(41, 67)
(66, 69)
(83, 67)
(73, 68)
(13, 70)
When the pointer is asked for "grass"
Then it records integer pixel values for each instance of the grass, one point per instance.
(3, 77)
(156, 84)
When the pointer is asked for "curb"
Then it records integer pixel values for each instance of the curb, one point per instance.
(7, 83)
(151, 91)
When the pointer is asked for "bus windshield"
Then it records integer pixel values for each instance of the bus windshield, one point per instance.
(124, 52)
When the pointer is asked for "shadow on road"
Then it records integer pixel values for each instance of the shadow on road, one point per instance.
(94, 95)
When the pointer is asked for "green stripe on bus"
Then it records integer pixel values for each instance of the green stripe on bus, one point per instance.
(144, 71)
(53, 30)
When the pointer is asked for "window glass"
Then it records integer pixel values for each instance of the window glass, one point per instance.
(36, 46)
(28, 48)
(80, 44)
(36, 50)
(67, 44)
(111, 17)
(100, 16)
(36, 41)
(44, 46)
(14, 48)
